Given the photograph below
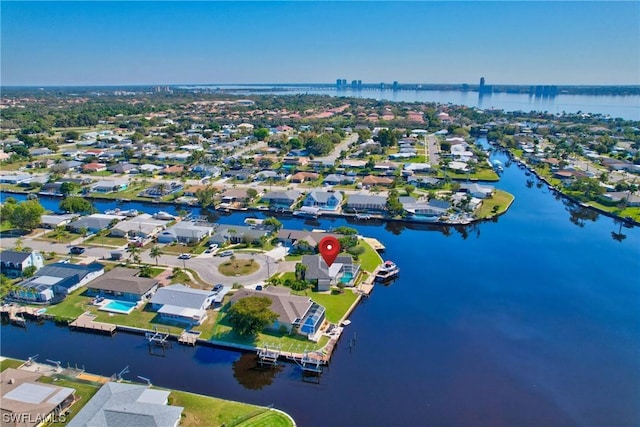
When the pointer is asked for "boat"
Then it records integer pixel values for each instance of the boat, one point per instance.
(363, 217)
(163, 215)
(346, 322)
(388, 271)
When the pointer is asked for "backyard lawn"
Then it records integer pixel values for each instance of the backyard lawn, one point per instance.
(84, 393)
(501, 199)
(336, 305)
(203, 410)
(10, 363)
(59, 236)
(370, 259)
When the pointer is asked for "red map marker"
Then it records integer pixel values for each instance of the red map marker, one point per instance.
(329, 248)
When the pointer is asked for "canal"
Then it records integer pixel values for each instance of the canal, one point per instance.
(531, 319)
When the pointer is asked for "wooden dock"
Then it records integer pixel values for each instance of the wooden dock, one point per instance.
(86, 321)
(189, 337)
(374, 243)
(16, 313)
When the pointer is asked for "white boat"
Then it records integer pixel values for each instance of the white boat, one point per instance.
(388, 271)
(163, 215)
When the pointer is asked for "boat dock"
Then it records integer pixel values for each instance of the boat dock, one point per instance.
(86, 321)
(374, 243)
(189, 337)
(16, 313)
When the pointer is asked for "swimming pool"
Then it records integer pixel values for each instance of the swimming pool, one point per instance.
(346, 278)
(120, 307)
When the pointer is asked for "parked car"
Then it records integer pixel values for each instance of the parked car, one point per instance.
(226, 253)
(213, 246)
(76, 250)
(184, 256)
(217, 288)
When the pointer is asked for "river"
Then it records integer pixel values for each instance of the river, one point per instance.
(526, 321)
(626, 107)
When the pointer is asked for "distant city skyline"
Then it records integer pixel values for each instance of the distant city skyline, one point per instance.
(170, 43)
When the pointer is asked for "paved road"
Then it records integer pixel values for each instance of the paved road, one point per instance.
(343, 146)
(433, 150)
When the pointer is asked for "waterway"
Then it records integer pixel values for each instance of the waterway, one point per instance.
(526, 321)
(626, 107)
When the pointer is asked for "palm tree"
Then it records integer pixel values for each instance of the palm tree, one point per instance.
(155, 253)
(134, 252)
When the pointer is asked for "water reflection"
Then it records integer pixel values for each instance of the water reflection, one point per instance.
(618, 236)
(251, 375)
(579, 214)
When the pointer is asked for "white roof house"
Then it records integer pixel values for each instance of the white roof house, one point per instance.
(182, 303)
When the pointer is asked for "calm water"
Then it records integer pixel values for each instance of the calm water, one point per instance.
(530, 320)
(626, 107)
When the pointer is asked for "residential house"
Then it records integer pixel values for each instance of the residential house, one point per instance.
(51, 188)
(149, 168)
(207, 171)
(267, 175)
(123, 168)
(14, 179)
(182, 304)
(236, 195)
(53, 221)
(238, 234)
(372, 181)
(295, 313)
(185, 232)
(94, 167)
(143, 226)
(342, 270)
(238, 174)
(325, 200)
(55, 281)
(172, 170)
(282, 199)
(301, 177)
(104, 187)
(122, 404)
(424, 182)
(302, 240)
(43, 151)
(478, 191)
(123, 284)
(366, 203)
(295, 161)
(337, 179)
(630, 199)
(13, 263)
(27, 402)
(94, 223)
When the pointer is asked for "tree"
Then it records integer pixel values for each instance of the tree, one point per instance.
(155, 253)
(261, 134)
(75, 204)
(393, 204)
(146, 271)
(29, 271)
(409, 189)
(68, 188)
(251, 193)
(25, 215)
(206, 197)
(386, 138)
(272, 222)
(251, 315)
(301, 271)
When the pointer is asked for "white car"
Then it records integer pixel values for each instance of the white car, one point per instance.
(184, 256)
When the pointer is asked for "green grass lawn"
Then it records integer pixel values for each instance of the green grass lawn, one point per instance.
(84, 393)
(238, 267)
(335, 304)
(209, 411)
(5, 226)
(107, 240)
(633, 212)
(59, 236)
(479, 175)
(370, 259)
(293, 258)
(10, 363)
(223, 331)
(501, 199)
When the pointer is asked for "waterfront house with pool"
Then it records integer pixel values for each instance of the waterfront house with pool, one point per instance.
(183, 304)
(123, 284)
(295, 313)
(325, 200)
(13, 263)
(343, 270)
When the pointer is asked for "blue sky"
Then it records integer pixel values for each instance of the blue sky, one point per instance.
(111, 43)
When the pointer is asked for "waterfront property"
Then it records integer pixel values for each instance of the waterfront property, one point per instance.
(53, 221)
(282, 199)
(123, 284)
(295, 313)
(104, 187)
(55, 281)
(143, 226)
(185, 232)
(182, 304)
(30, 401)
(14, 263)
(324, 200)
(366, 203)
(128, 405)
(343, 270)
(238, 234)
(94, 223)
(301, 240)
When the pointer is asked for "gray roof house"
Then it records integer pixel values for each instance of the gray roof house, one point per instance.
(123, 284)
(53, 221)
(292, 310)
(342, 270)
(13, 263)
(324, 200)
(95, 222)
(238, 234)
(477, 190)
(366, 203)
(141, 226)
(121, 404)
(282, 199)
(336, 179)
(185, 232)
(182, 303)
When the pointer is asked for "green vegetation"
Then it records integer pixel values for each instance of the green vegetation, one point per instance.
(495, 205)
(76, 204)
(238, 267)
(103, 239)
(59, 235)
(10, 363)
(370, 259)
(25, 215)
(84, 392)
(209, 411)
(336, 304)
(251, 315)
